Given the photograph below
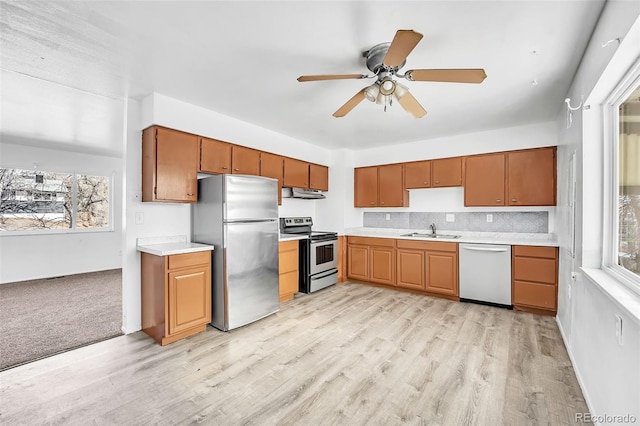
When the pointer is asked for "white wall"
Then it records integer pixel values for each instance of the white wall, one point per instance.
(609, 373)
(26, 257)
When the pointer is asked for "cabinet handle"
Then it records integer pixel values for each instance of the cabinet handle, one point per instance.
(381, 202)
(437, 181)
(224, 167)
(498, 201)
(513, 200)
(426, 183)
(236, 170)
(190, 195)
(372, 202)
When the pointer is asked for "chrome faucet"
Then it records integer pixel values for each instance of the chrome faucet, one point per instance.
(433, 229)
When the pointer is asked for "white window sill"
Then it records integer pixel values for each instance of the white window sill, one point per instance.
(616, 291)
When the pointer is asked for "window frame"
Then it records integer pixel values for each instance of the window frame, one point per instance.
(74, 208)
(611, 120)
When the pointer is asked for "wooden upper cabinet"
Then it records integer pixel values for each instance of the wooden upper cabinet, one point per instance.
(318, 177)
(391, 191)
(484, 180)
(296, 173)
(215, 156)
(417, 174)
(446, 172)
(272, 166)
(245, 161)
(169, 165)
(365, 187)
(531, 177)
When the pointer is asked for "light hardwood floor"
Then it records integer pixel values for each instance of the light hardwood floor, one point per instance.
(351, 354)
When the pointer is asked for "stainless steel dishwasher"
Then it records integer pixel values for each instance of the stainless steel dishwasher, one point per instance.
(485, 274)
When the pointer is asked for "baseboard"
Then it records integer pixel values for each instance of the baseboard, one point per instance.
(576, 371)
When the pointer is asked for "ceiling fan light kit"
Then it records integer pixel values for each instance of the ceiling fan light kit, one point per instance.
(384, 60)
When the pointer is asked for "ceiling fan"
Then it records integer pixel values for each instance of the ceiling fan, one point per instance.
(385, 60)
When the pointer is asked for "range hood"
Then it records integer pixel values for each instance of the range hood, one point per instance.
(309, 194)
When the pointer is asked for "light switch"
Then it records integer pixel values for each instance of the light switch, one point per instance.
(139, 218)
(489, 218)
(387, 216)
(449, 217)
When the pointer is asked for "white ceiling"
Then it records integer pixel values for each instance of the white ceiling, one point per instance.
(242, 59)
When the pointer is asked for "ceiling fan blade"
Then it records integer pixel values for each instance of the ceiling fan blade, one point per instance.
(448, 76)
(350, 104)
(330, 77)
(402, 44)
(412, 106)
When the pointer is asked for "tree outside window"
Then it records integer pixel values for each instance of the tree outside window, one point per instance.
(36, 200)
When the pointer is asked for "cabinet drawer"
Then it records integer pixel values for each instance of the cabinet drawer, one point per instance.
(534, 295)
(288, 261)
(368, 241)
(288, 245)
(289, 283)
(534, 269)
(535, 251)
(427, 245)
(189, 259)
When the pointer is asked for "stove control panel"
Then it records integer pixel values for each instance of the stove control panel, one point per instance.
(297, 221)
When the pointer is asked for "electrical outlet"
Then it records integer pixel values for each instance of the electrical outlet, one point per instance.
(619, 329)
(387, 216)
(574, 276)
(449, 217)
(139, 218)
(489, 218)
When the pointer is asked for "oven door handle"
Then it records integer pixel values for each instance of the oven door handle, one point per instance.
(318, 277)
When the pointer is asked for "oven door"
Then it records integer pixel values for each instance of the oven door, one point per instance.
(324, 256)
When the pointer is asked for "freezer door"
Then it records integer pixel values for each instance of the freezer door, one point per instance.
(251, 253)
(250, 197)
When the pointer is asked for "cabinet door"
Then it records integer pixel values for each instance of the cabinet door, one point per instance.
(176, 166)
(189, 299)
(446, 172)
(272, 166)
(383, 265)
(215, 156)
(245, 161)
(442, 273)
(484, 180)
(296, 173)
(358, 262)
(318, 177)
(417, 174)
(532, 177)
(391, 192)
(410, 269)
(366, 187)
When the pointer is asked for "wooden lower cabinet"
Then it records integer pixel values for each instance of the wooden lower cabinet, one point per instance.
(442, 272)
(383, 264)
(410, 268)
(357, 261)
(176, 295)
(288, 269)
(534, 286)
(427, 266)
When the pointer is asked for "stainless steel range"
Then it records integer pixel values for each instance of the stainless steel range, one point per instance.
(318, 254)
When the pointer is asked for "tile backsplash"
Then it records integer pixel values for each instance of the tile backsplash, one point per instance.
(526, 222)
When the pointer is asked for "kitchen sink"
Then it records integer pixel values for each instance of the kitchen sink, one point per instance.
(421, 235)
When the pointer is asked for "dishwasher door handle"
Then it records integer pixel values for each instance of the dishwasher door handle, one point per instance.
(484, 249)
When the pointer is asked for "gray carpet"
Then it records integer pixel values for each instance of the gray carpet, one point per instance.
(40, 318)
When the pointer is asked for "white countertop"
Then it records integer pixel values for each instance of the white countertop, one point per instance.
(510, 238)
(165, 246)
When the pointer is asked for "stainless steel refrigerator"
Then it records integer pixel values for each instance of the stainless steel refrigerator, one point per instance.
(238, 215)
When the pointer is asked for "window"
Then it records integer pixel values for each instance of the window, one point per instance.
(628, 141)
(45, 201)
